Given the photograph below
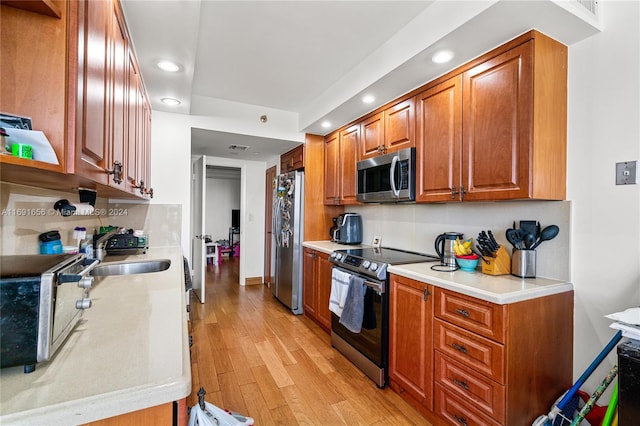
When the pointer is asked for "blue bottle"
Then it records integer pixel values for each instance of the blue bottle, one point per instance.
(50, 242)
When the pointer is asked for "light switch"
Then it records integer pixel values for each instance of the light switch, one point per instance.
(627, 173)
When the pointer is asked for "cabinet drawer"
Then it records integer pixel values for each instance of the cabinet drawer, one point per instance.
(456, 412)
(476, 352)
(484, 318)
(475, 389)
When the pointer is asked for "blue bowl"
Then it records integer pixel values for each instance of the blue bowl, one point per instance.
(467, 265)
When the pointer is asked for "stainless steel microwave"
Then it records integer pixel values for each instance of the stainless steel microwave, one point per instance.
(388, 178)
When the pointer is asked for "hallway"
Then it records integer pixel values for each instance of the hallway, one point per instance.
(254, 357)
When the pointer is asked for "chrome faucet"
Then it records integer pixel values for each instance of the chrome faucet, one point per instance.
(98, 249)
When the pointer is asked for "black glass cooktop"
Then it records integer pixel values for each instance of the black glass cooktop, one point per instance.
(389, 255)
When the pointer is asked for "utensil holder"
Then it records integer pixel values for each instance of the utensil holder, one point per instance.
(499, 265)
(523, 263)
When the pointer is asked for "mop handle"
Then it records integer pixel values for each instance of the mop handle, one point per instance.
(596, 395)
(596, 362)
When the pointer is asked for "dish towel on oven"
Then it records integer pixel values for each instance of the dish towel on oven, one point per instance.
(353, 311)
(339, 288)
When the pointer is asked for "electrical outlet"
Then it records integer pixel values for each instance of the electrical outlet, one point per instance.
(627, 173)
(376, 241)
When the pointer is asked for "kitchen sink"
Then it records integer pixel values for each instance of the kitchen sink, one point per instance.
(130, 268)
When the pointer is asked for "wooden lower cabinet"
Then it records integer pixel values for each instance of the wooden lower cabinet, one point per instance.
(410, 339)
(317, 287)
(485, 363)
(158, 415)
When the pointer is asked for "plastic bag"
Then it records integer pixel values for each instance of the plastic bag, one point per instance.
(215, 416)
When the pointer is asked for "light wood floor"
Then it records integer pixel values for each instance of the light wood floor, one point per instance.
(255, 357)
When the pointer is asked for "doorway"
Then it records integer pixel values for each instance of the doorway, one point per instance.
(222, 212)
(269, 264)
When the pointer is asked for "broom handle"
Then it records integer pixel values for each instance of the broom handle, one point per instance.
(611, 409)
(596, 362)
(595, 396)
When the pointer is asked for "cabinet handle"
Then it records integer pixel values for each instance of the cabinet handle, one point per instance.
(116, 171)
(425, 294)
(453, 192)
(460, 420)
(149, 191)
(462, 312)
(459, 348)
(462, 384)
(462, 192)
(140, 186)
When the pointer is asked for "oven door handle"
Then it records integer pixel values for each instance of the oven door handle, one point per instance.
(378, 288)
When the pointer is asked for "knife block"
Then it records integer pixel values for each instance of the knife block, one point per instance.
(499, 265)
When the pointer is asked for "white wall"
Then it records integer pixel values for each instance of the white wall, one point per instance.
(222, 196)
(604, 128)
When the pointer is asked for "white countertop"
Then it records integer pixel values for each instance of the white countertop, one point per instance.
(500, 289)
(129, 352)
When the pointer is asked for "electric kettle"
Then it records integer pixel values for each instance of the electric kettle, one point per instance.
(444, 248)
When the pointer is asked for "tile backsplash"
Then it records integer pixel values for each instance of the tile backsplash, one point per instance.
(26, 212)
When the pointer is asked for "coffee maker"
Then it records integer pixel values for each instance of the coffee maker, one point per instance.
(444, 248)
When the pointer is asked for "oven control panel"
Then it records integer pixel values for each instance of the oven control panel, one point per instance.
(358, 264)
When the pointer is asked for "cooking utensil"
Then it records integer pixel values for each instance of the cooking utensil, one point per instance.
(548, 233)
(529, 241)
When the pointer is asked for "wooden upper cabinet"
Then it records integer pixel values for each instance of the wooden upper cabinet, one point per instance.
(33, 83)
(439, 141)
(92, 144)
(389, 130)
(399, 126)
(332, 169)
(341, 157)
(349, 146)
(74, 83)
(514, 123)
(292, 160)
(118, 131)
(372, 136)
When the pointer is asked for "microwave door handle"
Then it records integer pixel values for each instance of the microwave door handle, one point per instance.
(392, 173)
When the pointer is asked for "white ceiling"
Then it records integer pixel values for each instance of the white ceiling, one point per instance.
(317, 58)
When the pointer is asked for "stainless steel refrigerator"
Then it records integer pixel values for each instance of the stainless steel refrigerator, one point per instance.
(288, 234)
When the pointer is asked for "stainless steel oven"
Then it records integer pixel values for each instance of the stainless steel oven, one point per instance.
(369, 349)
(42, 298)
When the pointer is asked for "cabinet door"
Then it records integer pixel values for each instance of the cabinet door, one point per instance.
(309, 282)
(119, 96)
(439, 144)
(497, 126)
(92, 144)
(400, 126)
(324, 290)
(331, 169)
(411, 338)
(372, 136)
(349, 145)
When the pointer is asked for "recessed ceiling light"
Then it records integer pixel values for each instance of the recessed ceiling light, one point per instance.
(170, 101)
(326, 124)
(168, 66)
(442, 56)
(368, 99)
